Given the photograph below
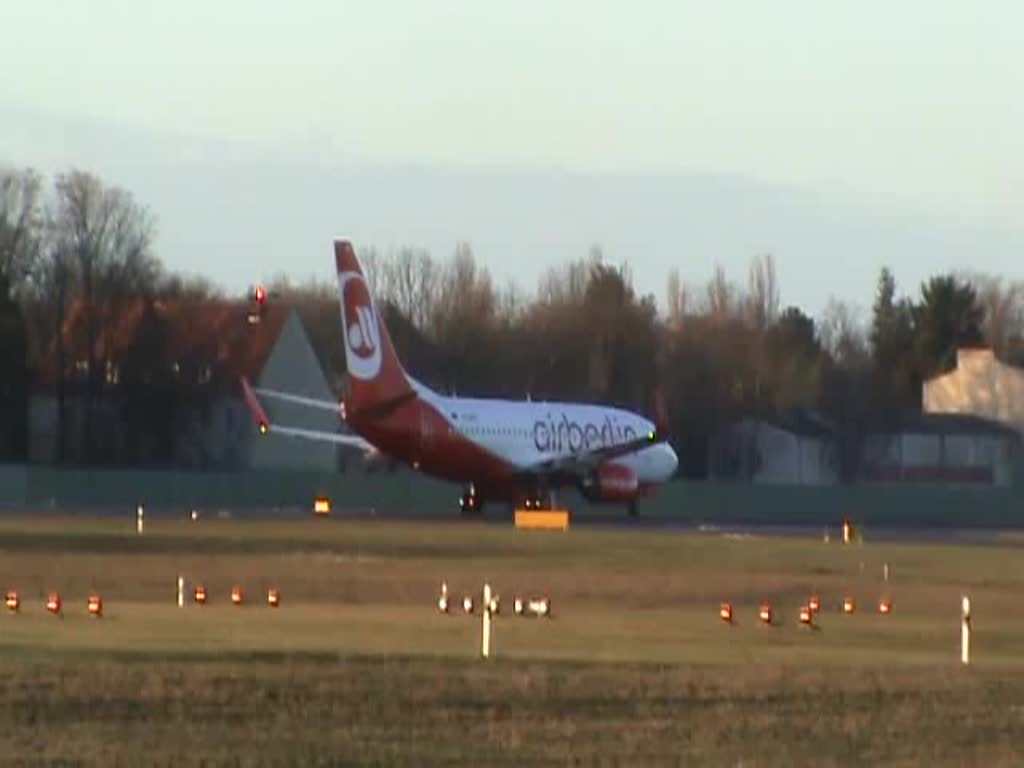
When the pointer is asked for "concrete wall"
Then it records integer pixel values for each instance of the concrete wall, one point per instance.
(763, 453)
(13, 485)
(408, 493)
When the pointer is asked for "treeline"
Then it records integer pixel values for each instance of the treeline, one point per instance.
(75, 241)
(717, 352)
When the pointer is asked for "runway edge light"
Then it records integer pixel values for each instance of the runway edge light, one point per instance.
(765, 613)
(885, 605)
(53, 604)
(95, 605)
(849, 605)
(540, 607)
(442, 601)
(273, 597)
(12, 601)
(725, 612)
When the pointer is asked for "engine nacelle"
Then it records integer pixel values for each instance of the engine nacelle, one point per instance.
(613, 482)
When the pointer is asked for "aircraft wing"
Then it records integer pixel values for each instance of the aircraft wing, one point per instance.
(249, 392)
(582, 462)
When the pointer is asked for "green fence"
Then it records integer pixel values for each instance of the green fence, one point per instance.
(406, 492)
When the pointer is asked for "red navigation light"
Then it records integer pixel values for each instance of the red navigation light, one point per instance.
(261, 294)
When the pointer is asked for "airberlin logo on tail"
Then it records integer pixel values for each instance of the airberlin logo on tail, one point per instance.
(361, 331)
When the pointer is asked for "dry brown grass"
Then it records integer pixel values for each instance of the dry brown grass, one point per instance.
(358, 667)
(420, 711)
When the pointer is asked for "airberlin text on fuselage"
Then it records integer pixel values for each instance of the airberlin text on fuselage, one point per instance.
(554, 435)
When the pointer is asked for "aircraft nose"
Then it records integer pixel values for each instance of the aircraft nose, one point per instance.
(670, 460)
(673, 459)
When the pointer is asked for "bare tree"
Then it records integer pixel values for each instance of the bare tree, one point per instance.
(843, 334)
(677, 299)
(565, 285)
(721, 296)
(188, 287)
(21, 227)
(372, 268)
(105, 237)
(415, 279)
(762, 300)
(1003, 304)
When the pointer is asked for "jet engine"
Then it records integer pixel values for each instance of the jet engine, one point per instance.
(614, 483)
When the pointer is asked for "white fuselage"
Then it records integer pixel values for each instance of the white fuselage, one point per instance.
(525, 433)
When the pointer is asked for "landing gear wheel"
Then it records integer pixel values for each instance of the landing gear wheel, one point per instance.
(470, 503)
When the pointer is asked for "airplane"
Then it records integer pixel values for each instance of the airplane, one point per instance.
(498, 450)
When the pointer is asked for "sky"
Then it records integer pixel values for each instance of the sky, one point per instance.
(838, 137)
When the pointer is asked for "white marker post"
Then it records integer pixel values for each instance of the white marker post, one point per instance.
(138, 518)
(485, 645)
(181, 591)
(885, 573)
(442, 601)
(965, 630)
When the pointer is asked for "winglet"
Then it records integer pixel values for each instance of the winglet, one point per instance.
(254, 406)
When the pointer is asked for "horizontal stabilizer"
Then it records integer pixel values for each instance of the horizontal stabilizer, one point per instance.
(265, 426)
(312, 402)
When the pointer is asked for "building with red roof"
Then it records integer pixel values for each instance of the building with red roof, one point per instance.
(165, 387)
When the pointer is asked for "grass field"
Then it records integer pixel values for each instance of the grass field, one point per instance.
(358, 666)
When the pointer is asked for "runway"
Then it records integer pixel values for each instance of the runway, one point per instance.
(895, 532)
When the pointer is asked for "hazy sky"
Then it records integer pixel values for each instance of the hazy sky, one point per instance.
(837, 136)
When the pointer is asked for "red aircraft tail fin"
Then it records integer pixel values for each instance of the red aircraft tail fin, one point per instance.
(375, 374)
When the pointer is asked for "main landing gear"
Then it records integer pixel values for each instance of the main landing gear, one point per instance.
(545, 499)
(470, 502)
